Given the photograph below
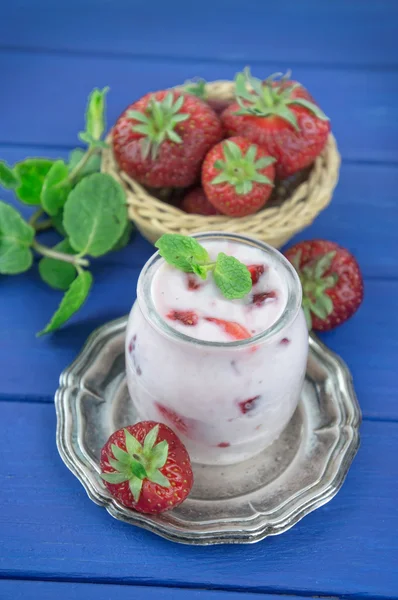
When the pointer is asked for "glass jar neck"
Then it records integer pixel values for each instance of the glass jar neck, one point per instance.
(287, 271)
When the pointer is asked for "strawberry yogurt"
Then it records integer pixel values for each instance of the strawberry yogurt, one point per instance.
(226, 375)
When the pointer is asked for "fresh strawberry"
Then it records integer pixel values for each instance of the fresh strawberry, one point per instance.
(186, 317)
(146, 467)
(256, 271)
(161, 139)
(281, 116)
(231, 328)
(237, 177)
(331, 281)
(197, 87)
(196, 202)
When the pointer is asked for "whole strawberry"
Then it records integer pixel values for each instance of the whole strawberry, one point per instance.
(196, 202)
(146, 467)
(331, 281)
(281, 116)
(237, 177)
(161, 139)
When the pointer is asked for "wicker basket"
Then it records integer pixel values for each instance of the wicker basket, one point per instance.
(293, 206)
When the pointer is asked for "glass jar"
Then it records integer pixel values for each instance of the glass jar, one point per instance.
(226, 401)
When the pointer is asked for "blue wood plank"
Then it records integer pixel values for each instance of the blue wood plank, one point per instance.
(365, 199)
(49, 590)
(362, 108)
(310, 31)
(50, 529)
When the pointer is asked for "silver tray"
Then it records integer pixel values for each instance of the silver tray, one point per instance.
(263, 496)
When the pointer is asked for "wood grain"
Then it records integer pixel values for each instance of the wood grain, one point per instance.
(49, 590)
(50, 529)
(358, 32)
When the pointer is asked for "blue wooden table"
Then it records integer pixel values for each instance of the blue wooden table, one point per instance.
(54, 542)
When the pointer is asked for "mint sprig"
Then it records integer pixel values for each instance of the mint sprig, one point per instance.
(86, 207)
(186, 254)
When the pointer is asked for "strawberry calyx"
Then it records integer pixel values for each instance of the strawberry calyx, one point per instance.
(158, 123)
(271, 97)
(196, 87)
(138, 462)
(315, 280)
(239, 170)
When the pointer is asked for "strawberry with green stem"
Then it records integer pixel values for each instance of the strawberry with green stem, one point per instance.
(146, 467)
(280, 115)
(161, 139)
(237, 177)
(331, 280)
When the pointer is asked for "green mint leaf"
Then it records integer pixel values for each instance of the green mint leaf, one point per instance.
(93, 165)
(57, 221)
(95, 113)
(57, 273)
(73, 299)
(95, 214)
(200, 270)
(85, 137)
(31, 173)
(8, 178)
(114, 477)
(181, 251)
(55, 188)
(232, 277)
(16, 237)
(125, 237)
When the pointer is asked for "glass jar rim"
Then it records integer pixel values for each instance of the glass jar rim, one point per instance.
(289, 313)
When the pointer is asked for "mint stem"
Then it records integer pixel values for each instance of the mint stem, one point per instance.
(50, 253)
(82, 162)
(43, 225)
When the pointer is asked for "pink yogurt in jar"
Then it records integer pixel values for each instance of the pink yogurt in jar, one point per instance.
(226, 375)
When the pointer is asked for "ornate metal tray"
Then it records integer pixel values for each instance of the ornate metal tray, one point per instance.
(264, 496)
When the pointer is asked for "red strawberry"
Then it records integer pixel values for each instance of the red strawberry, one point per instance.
(186, 317)
(256, 271)
(161, 139)
(280, 116)
(231, 328)
(196, 202)
(331, 280)
(146, 467)
(237, 177)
